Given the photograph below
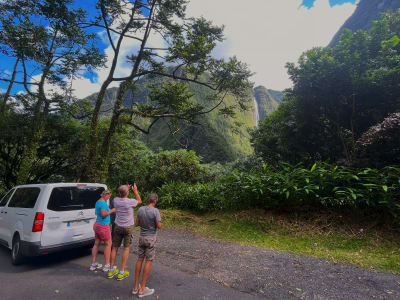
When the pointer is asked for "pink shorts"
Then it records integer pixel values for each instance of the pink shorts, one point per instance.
(102, 232)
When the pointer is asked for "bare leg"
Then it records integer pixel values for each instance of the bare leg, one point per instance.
(95, 250)
(137, 273)
(113, 255)
(107, 251)
(125, 256)
(146, 271)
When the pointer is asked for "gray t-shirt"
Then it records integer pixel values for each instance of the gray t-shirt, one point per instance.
(148, 217)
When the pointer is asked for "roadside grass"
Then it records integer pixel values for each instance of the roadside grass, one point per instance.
(336, 237)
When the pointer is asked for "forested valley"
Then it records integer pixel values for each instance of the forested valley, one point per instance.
(183, 123)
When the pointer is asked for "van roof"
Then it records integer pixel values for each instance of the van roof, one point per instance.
(61, 184)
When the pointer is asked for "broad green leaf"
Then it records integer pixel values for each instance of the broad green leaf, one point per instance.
(313, 167)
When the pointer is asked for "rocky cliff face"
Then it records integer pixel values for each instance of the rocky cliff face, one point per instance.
(266, 103)
(366, 12)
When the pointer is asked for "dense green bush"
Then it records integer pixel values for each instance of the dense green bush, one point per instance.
(135, 162)
(174, 165)
(323, 185)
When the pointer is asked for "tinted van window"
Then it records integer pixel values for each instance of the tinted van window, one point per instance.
(74, 198)
(25, 197)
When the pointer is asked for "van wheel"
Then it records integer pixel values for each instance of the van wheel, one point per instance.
(16, 254)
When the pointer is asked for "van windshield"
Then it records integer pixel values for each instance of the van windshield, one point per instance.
(74, 198)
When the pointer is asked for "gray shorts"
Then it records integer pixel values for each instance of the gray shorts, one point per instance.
(147, 247)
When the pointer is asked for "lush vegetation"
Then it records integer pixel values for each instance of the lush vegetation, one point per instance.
(324, 186)
(59, 38)
(343, 108)
(338, 95)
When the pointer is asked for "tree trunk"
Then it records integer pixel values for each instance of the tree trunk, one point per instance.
(30, 150)
(104, 156)
(89, 171)
(8, 92)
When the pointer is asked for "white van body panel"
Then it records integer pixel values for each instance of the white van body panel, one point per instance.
(67, 226)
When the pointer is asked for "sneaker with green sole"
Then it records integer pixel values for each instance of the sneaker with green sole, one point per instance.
(122, 276)
(112, 272)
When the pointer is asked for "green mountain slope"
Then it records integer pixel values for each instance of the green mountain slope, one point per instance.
(366, 12)
(216, 138)
(277, 95)
(266, 102)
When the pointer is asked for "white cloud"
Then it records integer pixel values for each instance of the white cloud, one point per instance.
(267, 34)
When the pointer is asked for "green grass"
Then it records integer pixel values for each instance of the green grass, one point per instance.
(373, 248)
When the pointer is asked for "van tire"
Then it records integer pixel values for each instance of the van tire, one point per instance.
(16, 252)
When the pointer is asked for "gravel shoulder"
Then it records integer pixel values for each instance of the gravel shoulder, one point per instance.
(271, 274)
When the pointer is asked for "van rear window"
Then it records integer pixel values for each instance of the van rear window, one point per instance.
(74, 198)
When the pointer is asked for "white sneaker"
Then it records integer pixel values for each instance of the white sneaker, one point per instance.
(106, 268)
(146, 292)
(135, 292)
(95, 266)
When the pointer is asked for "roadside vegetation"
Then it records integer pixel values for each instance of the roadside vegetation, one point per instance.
(336, 236)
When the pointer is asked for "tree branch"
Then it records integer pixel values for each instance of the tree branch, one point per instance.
(25, 79)
(103, 15)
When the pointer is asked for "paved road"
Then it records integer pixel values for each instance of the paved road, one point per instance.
(66, 276)
(189, 267)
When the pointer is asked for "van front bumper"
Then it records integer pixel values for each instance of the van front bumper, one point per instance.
(36, 249)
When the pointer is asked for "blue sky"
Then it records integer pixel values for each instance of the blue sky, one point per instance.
(310, 3)
(255, 38)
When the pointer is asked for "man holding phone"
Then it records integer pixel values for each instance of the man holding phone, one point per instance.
(124, 224)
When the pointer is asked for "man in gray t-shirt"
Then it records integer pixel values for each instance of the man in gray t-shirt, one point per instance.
(149, 216)
(149, 220)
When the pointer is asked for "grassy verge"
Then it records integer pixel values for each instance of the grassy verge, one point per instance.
(336, 237)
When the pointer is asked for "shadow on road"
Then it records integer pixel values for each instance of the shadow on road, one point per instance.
(44, 261)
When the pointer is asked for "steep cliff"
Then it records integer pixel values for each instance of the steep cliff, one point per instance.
(365, 14)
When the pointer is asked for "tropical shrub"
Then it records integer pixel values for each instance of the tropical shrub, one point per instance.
(322, 186)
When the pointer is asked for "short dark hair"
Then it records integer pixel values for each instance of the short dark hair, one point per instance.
(152, 198)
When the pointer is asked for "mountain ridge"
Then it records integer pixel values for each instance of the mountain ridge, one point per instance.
(366, 12)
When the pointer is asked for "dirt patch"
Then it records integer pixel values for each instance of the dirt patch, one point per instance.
(272, 274)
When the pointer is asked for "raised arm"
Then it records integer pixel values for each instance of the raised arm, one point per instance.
(135, 191)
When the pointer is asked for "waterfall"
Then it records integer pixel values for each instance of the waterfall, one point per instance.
(255, 111)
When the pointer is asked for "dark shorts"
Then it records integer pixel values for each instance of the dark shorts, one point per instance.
(102, 232)
(124, 234)
(147, 247)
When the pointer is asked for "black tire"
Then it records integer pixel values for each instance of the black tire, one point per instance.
(16, 252)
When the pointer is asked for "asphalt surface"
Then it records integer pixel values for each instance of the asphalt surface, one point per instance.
(272, 274)
(66, 276)
(188, 266)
